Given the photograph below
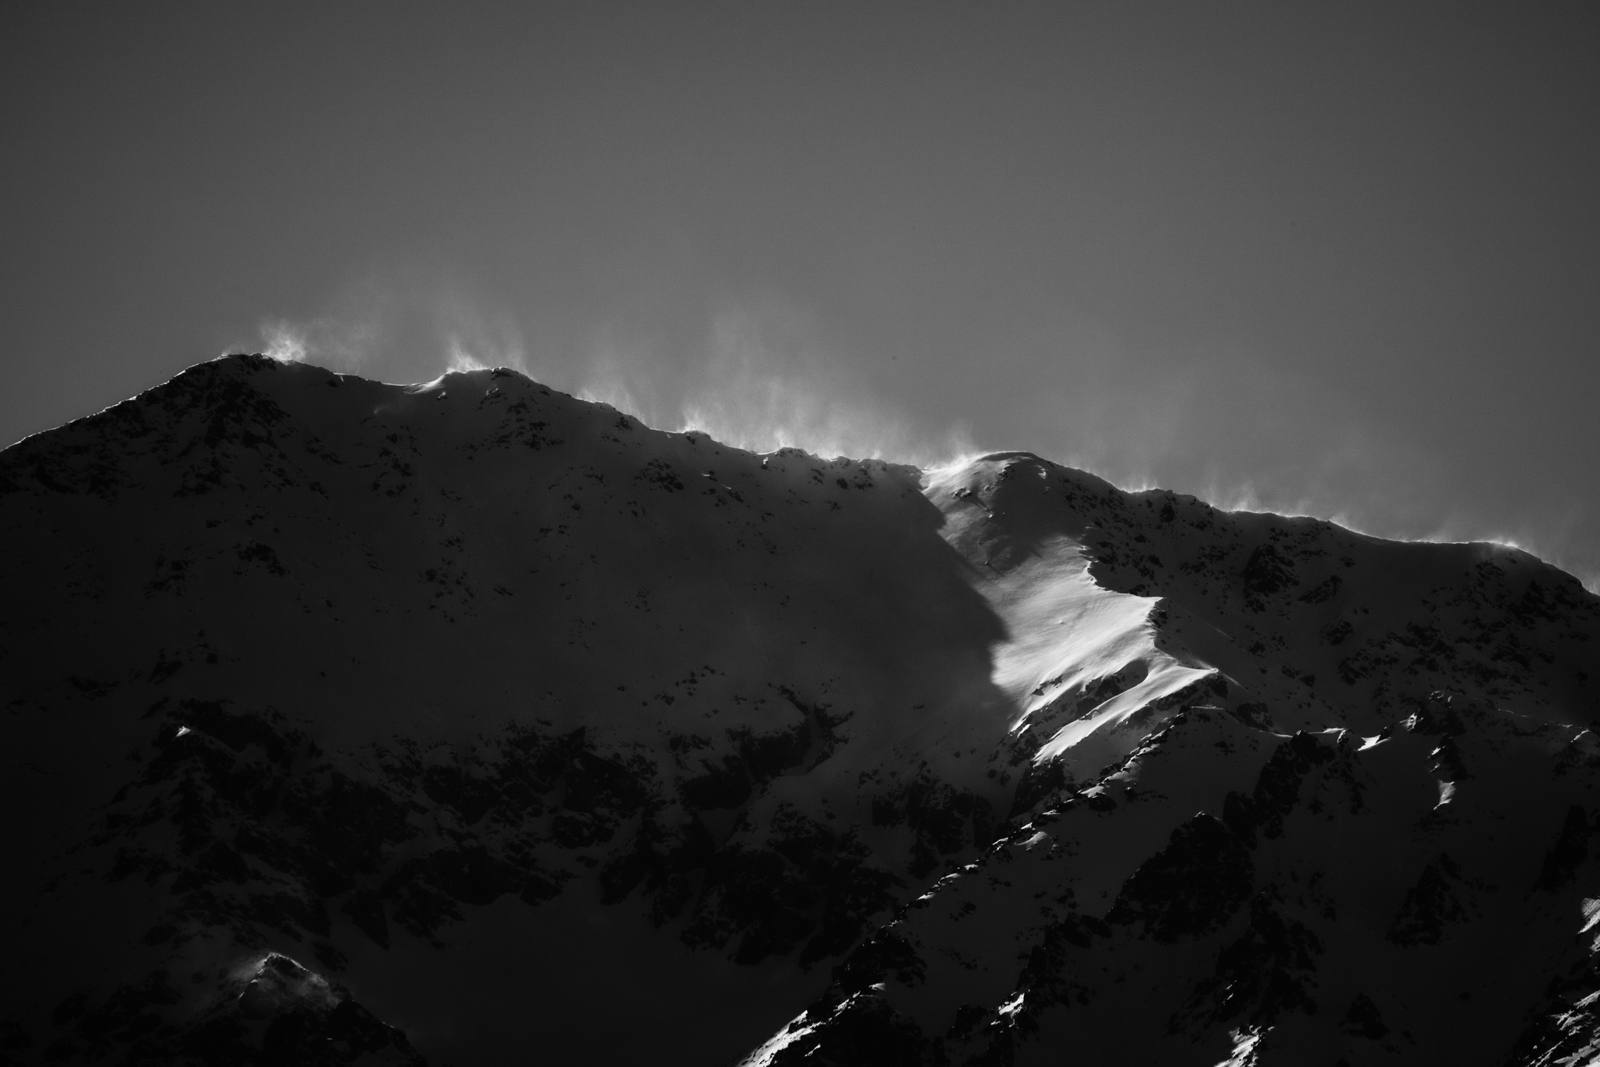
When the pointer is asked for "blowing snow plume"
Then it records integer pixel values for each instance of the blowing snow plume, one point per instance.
(765, 381)
(400, 331)
(763, 376)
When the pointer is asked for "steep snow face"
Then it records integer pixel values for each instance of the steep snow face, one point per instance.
(331, 702)
(1080, 662)
(1120, 607)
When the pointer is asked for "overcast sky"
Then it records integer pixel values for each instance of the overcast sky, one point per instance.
(1341, 259)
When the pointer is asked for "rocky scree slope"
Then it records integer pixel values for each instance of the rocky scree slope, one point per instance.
(366, 723)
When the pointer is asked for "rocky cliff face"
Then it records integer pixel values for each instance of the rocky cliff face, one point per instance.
(352, 722)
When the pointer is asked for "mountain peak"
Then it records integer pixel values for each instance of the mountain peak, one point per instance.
(417, 683)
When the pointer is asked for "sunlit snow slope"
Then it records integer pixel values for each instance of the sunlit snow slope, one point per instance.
(1292, 796)
(465, 722)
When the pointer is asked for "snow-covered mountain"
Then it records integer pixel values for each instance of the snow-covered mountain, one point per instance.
(472, 723)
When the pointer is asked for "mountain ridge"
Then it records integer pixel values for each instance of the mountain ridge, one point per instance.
(378, 678)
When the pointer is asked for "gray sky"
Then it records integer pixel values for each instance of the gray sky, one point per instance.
(1339, 259)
